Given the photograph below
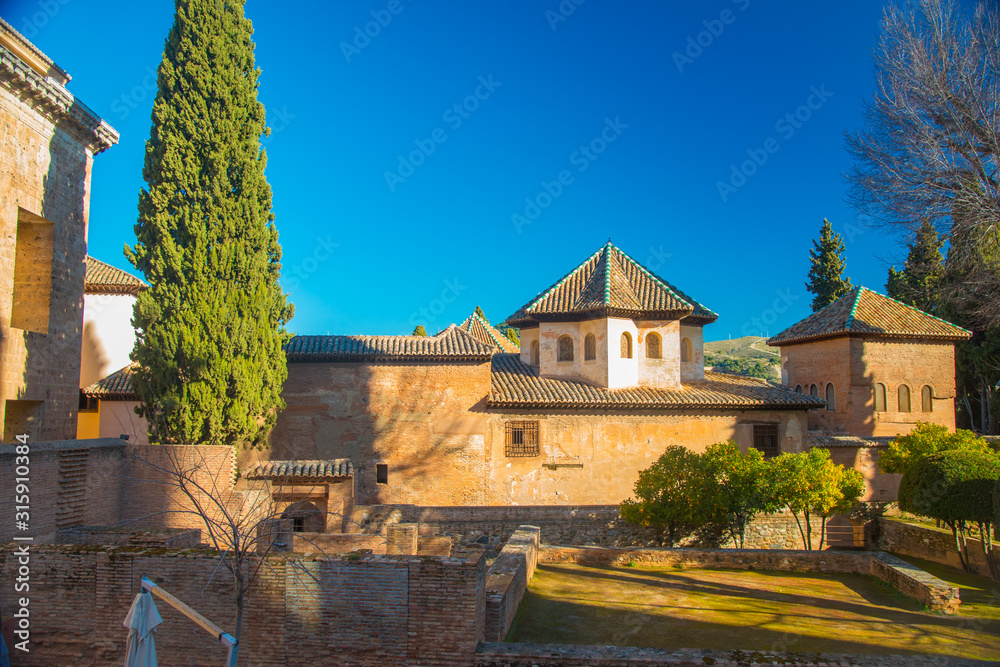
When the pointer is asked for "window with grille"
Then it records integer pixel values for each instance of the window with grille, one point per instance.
(590, 347)
(626, 345)
(765, 438)
(565, 348)
(521, 439)
(653, 346)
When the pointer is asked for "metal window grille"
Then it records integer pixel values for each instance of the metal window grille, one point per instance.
(521, 439)
(765, 438)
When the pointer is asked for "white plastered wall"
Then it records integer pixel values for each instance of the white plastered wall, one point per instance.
(528, 336)
(108, 335)
(622, 372)
(666, 371)
(694, 369)
(550, 333)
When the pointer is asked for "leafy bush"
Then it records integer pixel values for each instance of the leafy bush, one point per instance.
(738, 487)
(669, 495)
(926, 439)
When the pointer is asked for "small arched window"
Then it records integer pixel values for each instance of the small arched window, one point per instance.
(687, 351)
(590, 347)
(534, 353)
(798, 389)
(565, 348)
(626, 345)
(904, 398)
(813, 390)
(653, 346)
(927, 399)
(830, 397)
(879, 397)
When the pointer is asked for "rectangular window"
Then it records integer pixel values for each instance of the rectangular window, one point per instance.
(33, 252)
(298, 524)
(520, 439)
(87, 403)
(765, 438)
(381, 473)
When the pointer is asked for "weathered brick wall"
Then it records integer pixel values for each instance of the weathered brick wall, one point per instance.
(820, 363)
(429, 425)
(933, 544)
(46, 172)
(507, 581)
(479, 528)
(165, 538)
(337, 543)
(368, 611)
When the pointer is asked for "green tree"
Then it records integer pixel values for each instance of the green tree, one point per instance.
(513, 335)
(669, 495)
(956, 487)
(739, 487)
(211, 328)
(480, 313)
(826, 273)
(919, 283)
(810, 485)
(419, 331)
(926, 439)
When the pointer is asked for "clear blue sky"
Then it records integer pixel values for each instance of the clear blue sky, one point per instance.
(365, 255)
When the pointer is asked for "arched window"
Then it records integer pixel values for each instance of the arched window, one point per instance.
(879, 397)
(813, 390)
(830, 398)
(565, 348)
(927, 399)
(798, 389)
(590, 347)
(626, 345)
(687, 353)
(653, 346)
(534, 353)
(904, 398)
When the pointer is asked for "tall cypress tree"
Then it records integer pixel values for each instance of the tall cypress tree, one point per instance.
(211, 326)
(918, 283)
(826, 275)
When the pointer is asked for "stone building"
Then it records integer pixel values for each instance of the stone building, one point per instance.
(881, 366)
(610, 372)
(50, 140)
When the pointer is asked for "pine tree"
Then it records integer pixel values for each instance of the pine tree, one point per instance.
(211, 326)
(419, 331)
(918, 283)
(826, 275)
(480, 313)
(513, 335)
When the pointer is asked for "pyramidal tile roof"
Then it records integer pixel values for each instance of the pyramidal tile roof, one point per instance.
(482, 331)
(515, 384)
(114, 387)
(103, 278)
(452, 344)
(863, 312)
(609, 283)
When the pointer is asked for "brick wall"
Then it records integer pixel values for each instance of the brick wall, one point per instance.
(507, 581)
(301, 611)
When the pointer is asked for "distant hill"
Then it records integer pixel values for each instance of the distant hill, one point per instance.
(748, 355)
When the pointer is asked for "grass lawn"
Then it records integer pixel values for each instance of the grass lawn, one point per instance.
(751, 610)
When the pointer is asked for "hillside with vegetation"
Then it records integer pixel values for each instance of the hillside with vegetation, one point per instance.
(748, 355)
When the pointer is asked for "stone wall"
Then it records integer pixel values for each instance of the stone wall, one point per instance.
(164, 538)
(507, 581)
(365, 610)
(927, 542)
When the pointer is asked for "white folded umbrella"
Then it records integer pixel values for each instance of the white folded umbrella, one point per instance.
(141, 620)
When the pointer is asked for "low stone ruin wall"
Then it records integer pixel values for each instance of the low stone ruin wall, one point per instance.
(507, 581)
(933, 544)
(164, 538)
(911, 581)
(562, 655)
(336, 543)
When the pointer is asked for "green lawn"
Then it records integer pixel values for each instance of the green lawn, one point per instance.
(751, 610)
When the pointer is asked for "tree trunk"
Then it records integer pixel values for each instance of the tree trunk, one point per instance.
(986, 540)
(799, 524)
(809, 531)
(822, 533)
(958, 530)
(968, 409)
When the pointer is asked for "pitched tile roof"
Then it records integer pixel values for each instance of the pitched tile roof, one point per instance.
(105, 279)
(301, 471)
(831, 440)
(482, 331)
(452, 344)
(868, 313)
(610, 283)
(115, 387)
(515, 384)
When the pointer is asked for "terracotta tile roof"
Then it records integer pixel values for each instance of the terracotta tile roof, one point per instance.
(301, 471)
(105, 279)
(831, 440)
(515, 384)
(115, 387)
(452, 344)
(610, 283)
(482, 331)
(863, 312)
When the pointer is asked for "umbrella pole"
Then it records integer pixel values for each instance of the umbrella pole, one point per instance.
(227, 639)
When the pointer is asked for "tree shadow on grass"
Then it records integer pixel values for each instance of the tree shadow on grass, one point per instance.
(751, 610)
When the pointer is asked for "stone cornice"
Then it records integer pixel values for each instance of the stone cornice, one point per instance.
(56, 103)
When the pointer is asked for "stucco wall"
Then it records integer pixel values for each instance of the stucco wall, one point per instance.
(694, 369)
(665, 371)
(108, 335)
(622, 372)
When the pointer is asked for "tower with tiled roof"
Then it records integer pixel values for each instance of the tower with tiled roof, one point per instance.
(480, 329)
(613, 322)
(881, 365)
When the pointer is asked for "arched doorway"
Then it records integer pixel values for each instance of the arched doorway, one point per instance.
(305, 517)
